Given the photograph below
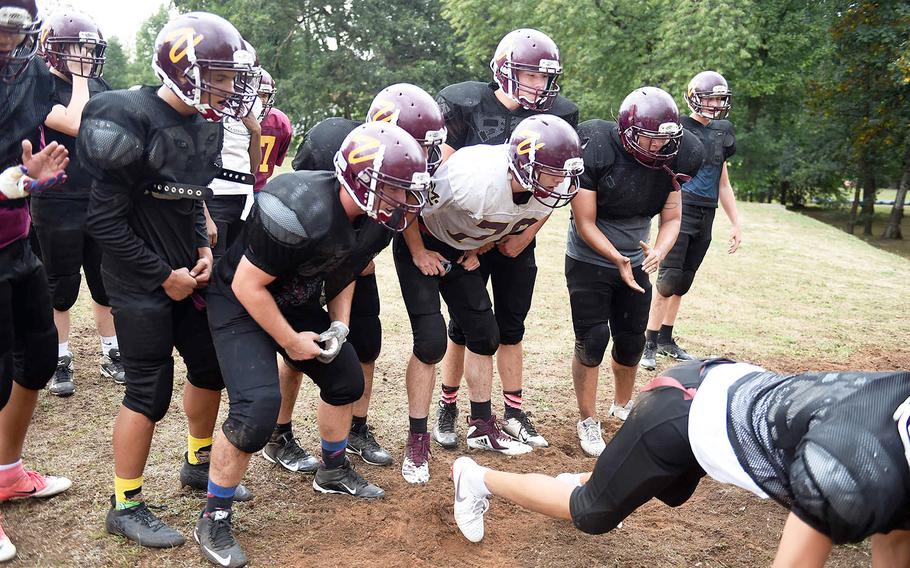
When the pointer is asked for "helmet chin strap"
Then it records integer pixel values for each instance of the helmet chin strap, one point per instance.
(675, 178)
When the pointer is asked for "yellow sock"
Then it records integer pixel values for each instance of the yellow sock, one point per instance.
(193, 445)
(125, 491)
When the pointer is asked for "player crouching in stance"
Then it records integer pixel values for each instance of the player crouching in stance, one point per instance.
(833, 448)
(266, 298)
(481, 195)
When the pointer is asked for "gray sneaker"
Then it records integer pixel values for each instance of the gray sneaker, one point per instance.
(139, 524)
(63, 382)
(674, 351)
(444, 431)
(649, 356)
(112, 367)
(286, 452)
(196, 476)
(215, 536)
(346, 481)
(361, 442)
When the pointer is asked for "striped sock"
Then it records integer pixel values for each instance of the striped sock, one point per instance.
(449, 394)
(219, 498)
(512, 400)
(333, 453)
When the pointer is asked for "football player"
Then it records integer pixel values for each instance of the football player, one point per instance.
(708, 97)
(151, 153)
(481, 194)
(73, 47)
(630, 176)
(411, 108)
(526, 69)
(267, 297)
(833, 448)
(27, 333)
(276, 131)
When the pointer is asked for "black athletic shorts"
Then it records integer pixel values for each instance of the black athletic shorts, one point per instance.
(225, 211)
(693, 240)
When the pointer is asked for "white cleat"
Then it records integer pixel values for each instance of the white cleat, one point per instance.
(7, 548)
(520, 428)
(469, 506)
(415, 467)
(591, 437)
(621, 412)
(486, 435)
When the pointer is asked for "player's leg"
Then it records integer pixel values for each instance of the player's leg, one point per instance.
(628, 319)
(283, 448)
(110, 362)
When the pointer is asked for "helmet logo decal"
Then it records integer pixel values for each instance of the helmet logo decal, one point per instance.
(366, 150)
(386, 112)
(187, 38)
(530, 144)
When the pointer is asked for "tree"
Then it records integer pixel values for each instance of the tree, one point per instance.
(116, 65)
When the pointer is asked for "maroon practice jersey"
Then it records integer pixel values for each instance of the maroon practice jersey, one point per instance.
(276, 139)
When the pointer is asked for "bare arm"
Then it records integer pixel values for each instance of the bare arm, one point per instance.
(429, 262)
(801, 546)
(446, 151)
(67, 119)
(513, 245)
(255, 147)
(670, 222)
(891, 549)
(340, 306)
(728, 202)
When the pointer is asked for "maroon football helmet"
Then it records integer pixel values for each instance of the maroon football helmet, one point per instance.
(18, 18)
(546, 144)
(376, 157)
(413, 109)
(709, 84)
(266, 89)
(191, 48)
(653, 113)
(72, 37)
(527, 50)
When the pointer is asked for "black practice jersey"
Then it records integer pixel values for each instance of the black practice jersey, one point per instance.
(24, 105)
(299, 233)
(474, 115)
(719, 141)
(143, 158)
(317, 151)
(78, 183)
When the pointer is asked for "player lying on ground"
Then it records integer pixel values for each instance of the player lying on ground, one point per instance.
(833, 448)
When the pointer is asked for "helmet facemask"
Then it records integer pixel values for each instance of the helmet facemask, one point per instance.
(18, 22)
(542, 99)
(670, 131)
(87, 53)
(697, 104)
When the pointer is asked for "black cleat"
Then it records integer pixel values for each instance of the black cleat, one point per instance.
(649, 356)
(216, 539)
(112, 367)
(197, 477)
(444, 431)
(139, 524)
(63, 382)
(674, 351)
(286, 452)
(361, 442)
(346, 481)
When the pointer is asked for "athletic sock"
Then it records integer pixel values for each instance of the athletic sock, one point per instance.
(449, 394)
(651, 336)
(333, 453)
(218, 498)
(195, 446)
(126, 491)
(11, 472)
(358, 423)
(481, 410)
(666, 335)
(63, 349)
(108, 343)
(280, 430)
(512, 402)
(417, 425)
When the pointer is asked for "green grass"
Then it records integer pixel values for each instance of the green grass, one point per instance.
(838, 218)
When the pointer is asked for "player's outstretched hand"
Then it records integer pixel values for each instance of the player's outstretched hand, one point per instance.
(430, 263)
(625, 272)
(653, 256)
(47, 163)
(736, 239)
(179, 285)
(304, 346)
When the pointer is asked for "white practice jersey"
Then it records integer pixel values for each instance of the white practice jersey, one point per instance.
(471, 204)
(235, 155)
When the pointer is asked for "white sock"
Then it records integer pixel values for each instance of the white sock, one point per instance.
(8, 466)
(573, 479)
(63, 349)
(473, 478)
(108, 343)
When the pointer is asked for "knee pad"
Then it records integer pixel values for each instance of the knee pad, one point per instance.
(344, 390)
(627, 348)
(66, 290)
(366, 337)
(455, 333)
(36, 364)
(251, 434)
(674, 282)
(590, 349)
(429, 338)
(511, 335)
(150, 394)
(484, 343)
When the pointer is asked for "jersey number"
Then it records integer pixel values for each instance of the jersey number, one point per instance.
(494, 229)
(268, 144)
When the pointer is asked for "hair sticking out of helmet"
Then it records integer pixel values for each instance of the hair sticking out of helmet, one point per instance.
(72, 43)
(21, 23)
(384, 170)
(709, 95)
(545, 157)
(204, 60)
(527, 51)
(414, 110)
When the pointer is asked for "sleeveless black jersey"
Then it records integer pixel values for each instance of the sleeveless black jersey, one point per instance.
(24, 105)
(317, 151)
(78, 183)
(719, 141)
(474, 115)
(299, 233)
(142, 156)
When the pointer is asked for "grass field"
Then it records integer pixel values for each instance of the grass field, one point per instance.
(838, 218)
(799, 295)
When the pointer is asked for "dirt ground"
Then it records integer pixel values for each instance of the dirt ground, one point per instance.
(288, 524)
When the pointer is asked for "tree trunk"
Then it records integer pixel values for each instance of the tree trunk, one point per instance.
(851, 222)
(784, 192)
(868, 212)
(893, 230)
